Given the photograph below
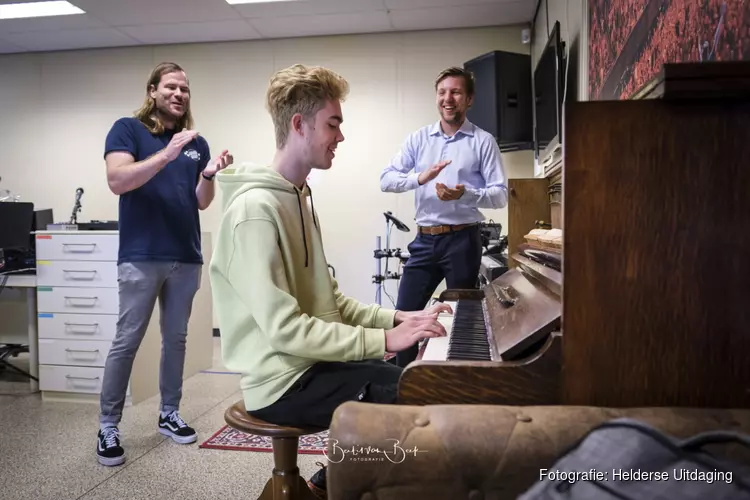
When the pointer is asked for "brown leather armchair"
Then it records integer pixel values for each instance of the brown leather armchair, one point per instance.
(474, 451)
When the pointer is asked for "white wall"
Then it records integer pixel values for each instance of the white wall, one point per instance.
(58, 107)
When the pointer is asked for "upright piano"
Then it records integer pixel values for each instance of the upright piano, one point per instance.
(655, 309)
(503, 344)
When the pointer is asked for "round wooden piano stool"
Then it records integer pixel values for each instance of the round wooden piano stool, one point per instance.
(285, 482)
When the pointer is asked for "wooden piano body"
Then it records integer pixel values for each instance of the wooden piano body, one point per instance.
(655, 308)
(521, 360)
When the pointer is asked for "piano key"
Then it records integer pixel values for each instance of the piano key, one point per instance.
(467, 335)
(437, 348)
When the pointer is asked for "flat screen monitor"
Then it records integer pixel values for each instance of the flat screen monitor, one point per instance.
(548, 90)
(16, 225)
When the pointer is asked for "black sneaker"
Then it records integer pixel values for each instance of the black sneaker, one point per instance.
(176, 428)
(317, 483)
(108, 449)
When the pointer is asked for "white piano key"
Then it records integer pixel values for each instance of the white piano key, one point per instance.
(437, 348)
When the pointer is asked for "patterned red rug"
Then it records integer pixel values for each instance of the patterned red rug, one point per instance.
(227, 438)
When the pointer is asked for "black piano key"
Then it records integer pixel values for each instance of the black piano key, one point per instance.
(467, 345)
(465, 357)
(469, 333)
(468, 350)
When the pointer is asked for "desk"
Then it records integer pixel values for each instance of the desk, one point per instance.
(28, 282)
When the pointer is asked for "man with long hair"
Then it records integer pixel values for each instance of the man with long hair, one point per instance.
(162, 171)
(302, 347)
(457, 169)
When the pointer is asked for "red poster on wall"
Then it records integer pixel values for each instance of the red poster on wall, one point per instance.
(630, 40)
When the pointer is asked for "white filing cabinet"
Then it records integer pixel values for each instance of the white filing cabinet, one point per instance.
(78, 307)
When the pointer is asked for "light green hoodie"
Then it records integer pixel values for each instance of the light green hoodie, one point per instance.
(279, 309)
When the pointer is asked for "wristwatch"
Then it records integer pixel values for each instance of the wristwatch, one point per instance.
(208, 177)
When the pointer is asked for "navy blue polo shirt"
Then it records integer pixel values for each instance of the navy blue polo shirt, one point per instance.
(159, 221)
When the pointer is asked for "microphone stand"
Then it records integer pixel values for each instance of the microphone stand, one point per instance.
(76, 209)
(387, 253)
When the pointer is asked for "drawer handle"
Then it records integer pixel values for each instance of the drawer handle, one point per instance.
(71, 299)
(74, 246)
(72, 377)
(92, 351)
(92, 274)
(95, 326)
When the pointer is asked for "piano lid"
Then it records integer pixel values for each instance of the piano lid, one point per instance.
(521, 312)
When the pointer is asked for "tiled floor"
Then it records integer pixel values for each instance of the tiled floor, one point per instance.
(47, 450)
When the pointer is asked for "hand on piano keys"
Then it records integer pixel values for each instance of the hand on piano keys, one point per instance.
(466, 337)
(444, 308)
(437, 348)
(413, 327)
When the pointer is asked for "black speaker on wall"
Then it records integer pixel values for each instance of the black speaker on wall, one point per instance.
(502, 98)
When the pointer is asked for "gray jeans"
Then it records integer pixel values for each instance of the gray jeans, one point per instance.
(140, 284)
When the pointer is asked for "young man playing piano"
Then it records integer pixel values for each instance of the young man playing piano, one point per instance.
(302, 347)
(457, 170)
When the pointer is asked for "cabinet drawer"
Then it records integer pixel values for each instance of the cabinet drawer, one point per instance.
(76, 273)
(77, 300)
(82, 379)
(77, 246)
(77, 326)
(73, 352)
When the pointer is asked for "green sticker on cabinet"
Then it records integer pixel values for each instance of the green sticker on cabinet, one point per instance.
(44, 289)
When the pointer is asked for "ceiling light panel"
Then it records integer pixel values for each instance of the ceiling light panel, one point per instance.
(38, 9)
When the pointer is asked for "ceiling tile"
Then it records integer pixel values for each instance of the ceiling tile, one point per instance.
(430, 4)
(74, 22)
(295, 26)
(462, 17)
(213, 31)
(136, 12)
(308, 7)
(70, 39)
(185, 21)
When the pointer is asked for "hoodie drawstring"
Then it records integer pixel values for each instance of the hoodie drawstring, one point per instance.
(302, 217)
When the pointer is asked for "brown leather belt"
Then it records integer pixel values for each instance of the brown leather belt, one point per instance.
(445, 228)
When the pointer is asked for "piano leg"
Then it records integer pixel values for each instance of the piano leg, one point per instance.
(532, 381)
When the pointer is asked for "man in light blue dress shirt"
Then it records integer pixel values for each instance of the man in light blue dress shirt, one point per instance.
(455, 168)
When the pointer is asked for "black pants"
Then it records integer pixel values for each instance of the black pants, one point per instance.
(454, 257)
(312, 400)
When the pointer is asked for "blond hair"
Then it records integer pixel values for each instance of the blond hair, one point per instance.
(468, 77)
(304, 90)
(146, 114)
